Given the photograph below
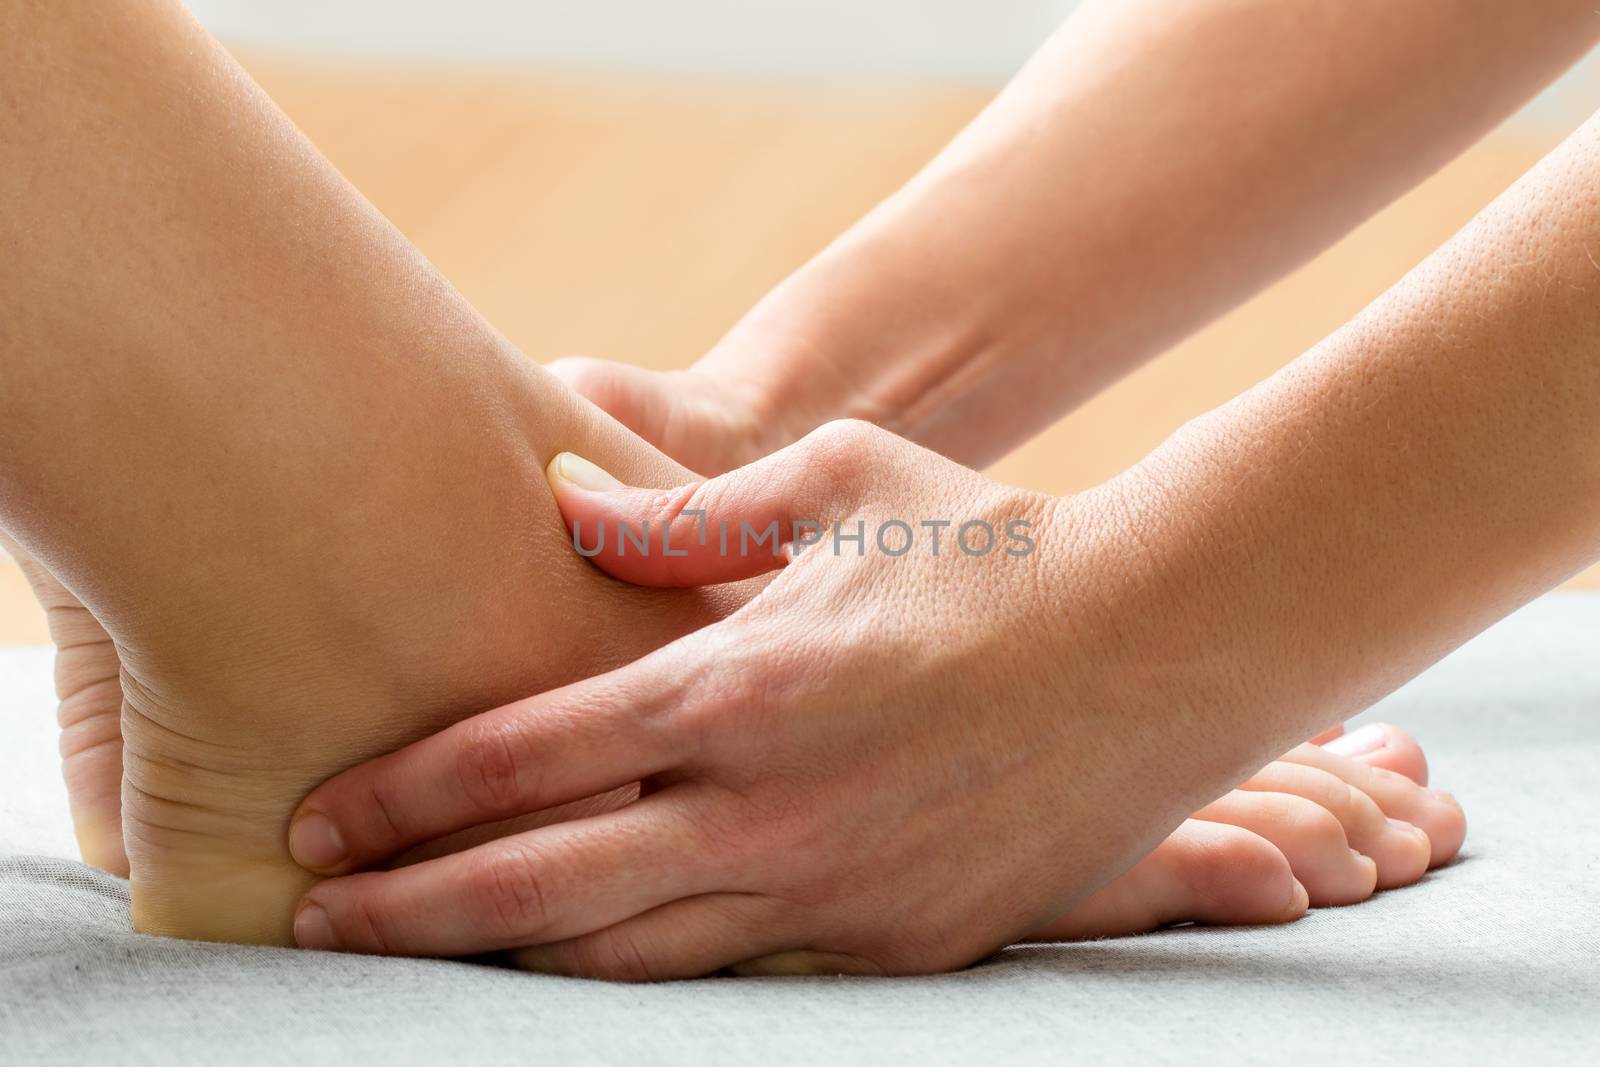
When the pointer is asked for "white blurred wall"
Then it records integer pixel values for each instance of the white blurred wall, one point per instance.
(967, 40)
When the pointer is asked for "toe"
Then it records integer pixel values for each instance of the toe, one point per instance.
(1380, 744)
(1309, 836)
(1328, 735)
(1403, 855)
(1400, 850)
(1435, 813)
(1204, 872)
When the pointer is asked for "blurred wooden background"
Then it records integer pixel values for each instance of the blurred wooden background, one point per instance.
(636, 218)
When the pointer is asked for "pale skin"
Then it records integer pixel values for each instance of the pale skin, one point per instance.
(282, 492)
(1153, 165)
(1275, 565)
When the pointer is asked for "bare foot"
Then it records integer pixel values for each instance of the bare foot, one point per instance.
(304, 496)
(366, 618)
(1318, 827)
(1312, 829)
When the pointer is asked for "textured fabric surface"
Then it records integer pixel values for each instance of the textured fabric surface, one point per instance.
(1493, 959)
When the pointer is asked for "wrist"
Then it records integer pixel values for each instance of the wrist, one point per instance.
(1127, 657)
(876, 328)
(1173, 621)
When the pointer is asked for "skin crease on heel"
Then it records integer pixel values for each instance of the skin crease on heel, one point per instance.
(208, 802)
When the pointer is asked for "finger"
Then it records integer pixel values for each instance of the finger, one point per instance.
(1378, 744)
(1204, 872)
(1310, 838)
(547, 885)
(1434, 812)
(563, 745)
(684, 939)
(796, 963)
(1400, 850)
(632, 395)
(721, 530)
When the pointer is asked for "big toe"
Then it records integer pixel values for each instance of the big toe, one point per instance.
(1382, 744)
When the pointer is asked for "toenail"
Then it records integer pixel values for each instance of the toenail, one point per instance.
(1299, 900)
(1448, 798)
(1401, 826)
(315, 842)
(1369, 738)
(312, 928)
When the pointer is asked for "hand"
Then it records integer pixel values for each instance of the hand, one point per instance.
(883, 763)
(709, 422)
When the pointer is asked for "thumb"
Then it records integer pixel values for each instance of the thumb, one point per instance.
(723, 529)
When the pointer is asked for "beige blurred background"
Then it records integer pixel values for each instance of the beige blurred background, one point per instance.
(625, 178)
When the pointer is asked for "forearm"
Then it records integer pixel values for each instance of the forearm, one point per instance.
(1152, 166)
(1313, 544)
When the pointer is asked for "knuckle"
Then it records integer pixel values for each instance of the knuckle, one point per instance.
(843, 443)
(495, 768)
(510, 893)
(655, 514)
(388, 823)
(369, 927)
(725, 836)
(615, 956)
(668, 505)
(718, 688)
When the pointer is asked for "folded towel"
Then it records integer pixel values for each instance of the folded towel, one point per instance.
(1494, 959)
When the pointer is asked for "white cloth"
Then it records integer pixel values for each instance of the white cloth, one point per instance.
(1492, 960)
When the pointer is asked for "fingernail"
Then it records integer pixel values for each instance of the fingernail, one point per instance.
(1368, 738)
(312, 928)
(581, 473)
(315, 842)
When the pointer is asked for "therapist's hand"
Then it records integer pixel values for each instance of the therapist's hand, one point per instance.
(708, 421)
(882, 764)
